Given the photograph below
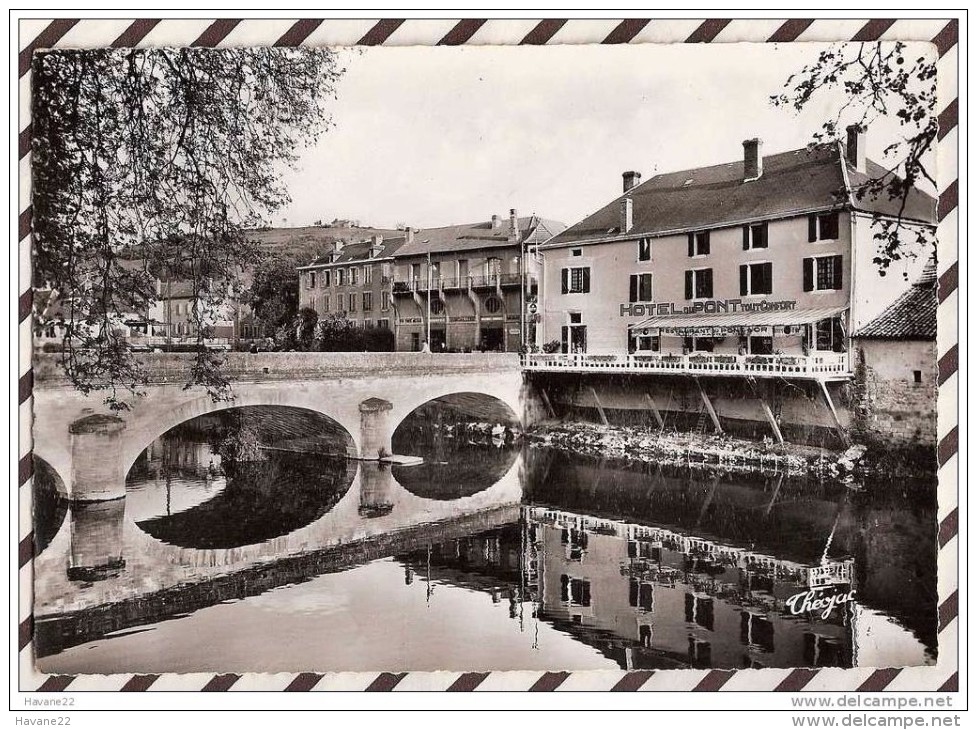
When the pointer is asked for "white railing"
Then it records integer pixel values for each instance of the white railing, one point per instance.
(799, 366)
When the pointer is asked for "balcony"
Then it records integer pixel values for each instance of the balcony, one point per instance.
(820, 366)
(489, 281)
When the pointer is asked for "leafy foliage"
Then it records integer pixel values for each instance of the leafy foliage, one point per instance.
(336, 333)
(879, 81)
(172, 152)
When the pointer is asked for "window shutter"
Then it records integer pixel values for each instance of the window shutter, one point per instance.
(586, 280)
(767, 278)
(688, 284)
(705, 239)
(808, 274)
(564, 338)
(633, 294)
(743, 285)
(812, 229)
(838, 274)
(565, 274)
(746, 238)
(707, 282)
(691, 244)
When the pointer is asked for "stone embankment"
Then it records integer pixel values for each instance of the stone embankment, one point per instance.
(710, 450)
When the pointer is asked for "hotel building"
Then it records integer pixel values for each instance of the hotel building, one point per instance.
(761, 267)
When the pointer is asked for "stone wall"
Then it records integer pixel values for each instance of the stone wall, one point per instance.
(891, 407)
(172, 367)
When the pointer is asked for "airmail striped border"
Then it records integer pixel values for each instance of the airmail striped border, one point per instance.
(227, 32)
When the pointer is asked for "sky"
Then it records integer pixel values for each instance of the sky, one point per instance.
(432, 136)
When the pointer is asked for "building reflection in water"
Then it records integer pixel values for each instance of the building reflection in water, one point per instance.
(632, 564)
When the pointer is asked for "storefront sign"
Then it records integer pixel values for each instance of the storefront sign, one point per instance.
(709, 306)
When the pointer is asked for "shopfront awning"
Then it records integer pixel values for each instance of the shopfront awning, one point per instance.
(734, 322)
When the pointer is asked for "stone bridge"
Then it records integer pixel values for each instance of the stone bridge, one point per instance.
(367, 394)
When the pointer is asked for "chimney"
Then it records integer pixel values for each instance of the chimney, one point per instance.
(627, 215)
(855, 146)
(496, 222)
(631, 179)
(376, 245)
(408, 236)
(513, 226)
(752, 159)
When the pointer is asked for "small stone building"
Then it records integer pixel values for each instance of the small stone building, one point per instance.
(896, 369)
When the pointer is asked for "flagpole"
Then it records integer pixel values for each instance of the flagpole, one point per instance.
(429, 301)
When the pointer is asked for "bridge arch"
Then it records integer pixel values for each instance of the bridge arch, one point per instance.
(153, 424)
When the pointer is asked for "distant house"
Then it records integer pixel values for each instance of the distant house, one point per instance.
(354, 281)
(896, 367)
(468, 286)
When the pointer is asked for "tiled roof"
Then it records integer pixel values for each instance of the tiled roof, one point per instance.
(473, 236)
(792, 182)
(911, 317)
(358, 252)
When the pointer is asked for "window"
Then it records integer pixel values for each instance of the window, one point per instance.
(437, 307)
(385, 272)
(698, 344)
(643, 341)
(754, 236)
(829, 335)
(368, 324)
(574, 591)
(352, 275)
(368, 274)
(576, 252)
(352, 303)
(492, 305)
(822, 273)
(325, 277)
(822, 227)
(699, 244)
(384, 301)
(917, 376)
(756, 278)
(311, 280)
(340, 277)
(760, 345)
(383, 324)
(644, 249)
(576, 318)
(640, 288)
(698, 284)
(576, 280)
(325, 303)
(367, 301)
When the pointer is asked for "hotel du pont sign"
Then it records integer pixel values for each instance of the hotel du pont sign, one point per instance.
(708, 306)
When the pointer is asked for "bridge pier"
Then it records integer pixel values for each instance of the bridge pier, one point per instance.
(376, 435)
(97, 471)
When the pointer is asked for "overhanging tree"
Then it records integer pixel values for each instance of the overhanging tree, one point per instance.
(879, 80)
(173, 153)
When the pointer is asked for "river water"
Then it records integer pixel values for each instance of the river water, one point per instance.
(491, 555)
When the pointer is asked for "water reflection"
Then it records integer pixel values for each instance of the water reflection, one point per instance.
(606, 564)
(233, 502)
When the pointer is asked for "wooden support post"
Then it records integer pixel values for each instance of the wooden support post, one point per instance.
(826, 397)
(546, 401)
(709, 408)
(654, 409)
(600, 408)
(767, 411)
